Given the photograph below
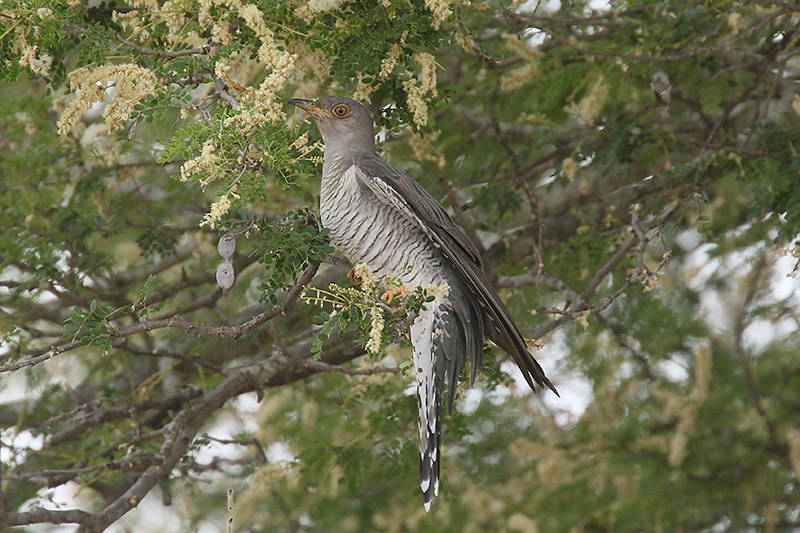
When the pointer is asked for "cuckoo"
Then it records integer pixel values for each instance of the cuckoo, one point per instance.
(378, 216)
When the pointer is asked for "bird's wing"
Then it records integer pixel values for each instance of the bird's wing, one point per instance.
(414, 196)
(397, 189)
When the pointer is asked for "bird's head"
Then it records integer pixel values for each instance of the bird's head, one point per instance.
(344, 123)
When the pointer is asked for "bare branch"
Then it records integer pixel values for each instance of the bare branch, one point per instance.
(321, 366)
(177, 322)
(242, 442)
(338, 262)
(739, 327)
(173, 355)
(206, 48)
(638, 356)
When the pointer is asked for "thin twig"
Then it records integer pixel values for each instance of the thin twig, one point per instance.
(739, 329)
(206, 48)
(321, 366)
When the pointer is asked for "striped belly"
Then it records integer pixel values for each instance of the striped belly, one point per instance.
(368, 231)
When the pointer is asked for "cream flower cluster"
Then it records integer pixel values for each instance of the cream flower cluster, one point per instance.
(684, 407)
(131, 83)
(38, 63)
(131, 21)
(376, 325)
(205, 162)
(19, 26)
(266, 96)
(589, 107)
(141, 15)
(218, 210)
(363, 90)
(464, 41)
(518, 77)
(262, 104)
(268, 52)
(364, 273)
(569, 168)
(390, 63)
(150, 5)
(416, 92)
(301, 143)
(173, 13)
(377, 320)
(424, 150)
(440, 9)
(440, 292)
(220, 31)
(313, 8)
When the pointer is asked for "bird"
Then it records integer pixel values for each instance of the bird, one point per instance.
(378, 216)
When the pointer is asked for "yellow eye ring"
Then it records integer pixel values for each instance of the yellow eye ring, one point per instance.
(340, 111)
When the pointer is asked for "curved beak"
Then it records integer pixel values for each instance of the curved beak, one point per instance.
(310, 106)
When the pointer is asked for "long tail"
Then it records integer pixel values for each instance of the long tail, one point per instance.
(444, 336)
(429, 401)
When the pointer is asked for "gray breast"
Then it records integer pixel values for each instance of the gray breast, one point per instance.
(367, 230)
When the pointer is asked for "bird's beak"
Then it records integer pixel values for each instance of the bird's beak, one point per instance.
(311, 107)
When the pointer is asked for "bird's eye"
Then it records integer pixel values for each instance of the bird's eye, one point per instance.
(341, 111)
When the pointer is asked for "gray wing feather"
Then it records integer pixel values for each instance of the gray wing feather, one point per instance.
(393, 186)
(417, 198)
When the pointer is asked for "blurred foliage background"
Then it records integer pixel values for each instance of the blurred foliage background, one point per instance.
(628, 169)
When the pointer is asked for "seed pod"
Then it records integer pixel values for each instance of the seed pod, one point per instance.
(225, 275)
(226, 246)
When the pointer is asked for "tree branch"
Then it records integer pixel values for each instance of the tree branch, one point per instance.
(206, 48)
(177, 322)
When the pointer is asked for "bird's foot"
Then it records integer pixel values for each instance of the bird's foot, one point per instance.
(353, 277)
(389, 295)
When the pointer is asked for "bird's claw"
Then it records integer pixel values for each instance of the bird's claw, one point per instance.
(389, 295)
(356, 280)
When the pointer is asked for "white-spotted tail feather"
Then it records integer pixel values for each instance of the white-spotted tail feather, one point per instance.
(444, 336)
(428, 401)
